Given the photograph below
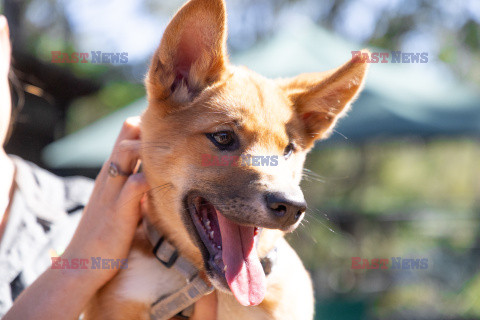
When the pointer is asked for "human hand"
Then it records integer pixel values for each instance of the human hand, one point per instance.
(106, 230)
(111, 217)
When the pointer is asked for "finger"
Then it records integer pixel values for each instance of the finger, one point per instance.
(130, 130)
(126, 155)
(4, 47)
(124, 158)
(130, 198)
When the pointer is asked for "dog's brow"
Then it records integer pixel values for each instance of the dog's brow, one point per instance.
(234, 122)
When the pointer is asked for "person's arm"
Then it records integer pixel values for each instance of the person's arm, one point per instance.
(56, 294)
(106, 230)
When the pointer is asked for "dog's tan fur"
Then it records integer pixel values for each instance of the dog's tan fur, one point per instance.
(267, 115)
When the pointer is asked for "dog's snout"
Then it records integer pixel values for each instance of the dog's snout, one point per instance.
(285, 209)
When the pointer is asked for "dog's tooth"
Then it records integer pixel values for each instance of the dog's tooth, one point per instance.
(211, 235)
(219, 247)
(225, 268)
(206, 224)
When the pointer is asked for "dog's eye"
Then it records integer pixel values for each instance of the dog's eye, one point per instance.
(224, 140)
(288, 150)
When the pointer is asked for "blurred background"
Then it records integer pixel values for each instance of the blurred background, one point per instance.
(400, 177)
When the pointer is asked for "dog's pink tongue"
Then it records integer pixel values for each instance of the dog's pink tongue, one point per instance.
(244, 273)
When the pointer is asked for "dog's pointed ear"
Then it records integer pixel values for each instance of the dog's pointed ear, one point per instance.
(320, 99)
(192, 52)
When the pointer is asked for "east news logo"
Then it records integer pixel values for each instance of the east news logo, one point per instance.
(95, 57)
(398, 263)
(391, 57)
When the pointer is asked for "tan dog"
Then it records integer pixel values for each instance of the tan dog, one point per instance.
(225, 219)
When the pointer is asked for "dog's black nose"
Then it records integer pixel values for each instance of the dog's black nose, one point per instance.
(287, 209)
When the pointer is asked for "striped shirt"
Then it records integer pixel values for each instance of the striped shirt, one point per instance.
(44, 212)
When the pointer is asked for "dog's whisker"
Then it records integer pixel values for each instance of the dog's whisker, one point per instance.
(156, 143)
(141, 148)
(309, 174)
(314, 214)
(158, 147)
(132, 198)
(166, 186)
(341, 134)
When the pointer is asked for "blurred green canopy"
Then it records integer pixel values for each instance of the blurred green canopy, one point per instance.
(399, 99)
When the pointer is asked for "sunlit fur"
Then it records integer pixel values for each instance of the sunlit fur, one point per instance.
(193, 90)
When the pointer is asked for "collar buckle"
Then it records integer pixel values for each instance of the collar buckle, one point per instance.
(165, 252)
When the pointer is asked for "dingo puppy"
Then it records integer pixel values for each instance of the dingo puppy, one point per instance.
(225, 219)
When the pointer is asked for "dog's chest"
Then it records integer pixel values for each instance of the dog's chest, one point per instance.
(146, 279)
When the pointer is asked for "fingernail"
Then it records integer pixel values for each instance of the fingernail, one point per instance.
(3, 22)
(134, 120)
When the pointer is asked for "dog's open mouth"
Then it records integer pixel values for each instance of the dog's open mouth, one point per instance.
(231, 251)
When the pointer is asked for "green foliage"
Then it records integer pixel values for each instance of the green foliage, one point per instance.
(403, 198)
(382, 178)
(111, 97)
